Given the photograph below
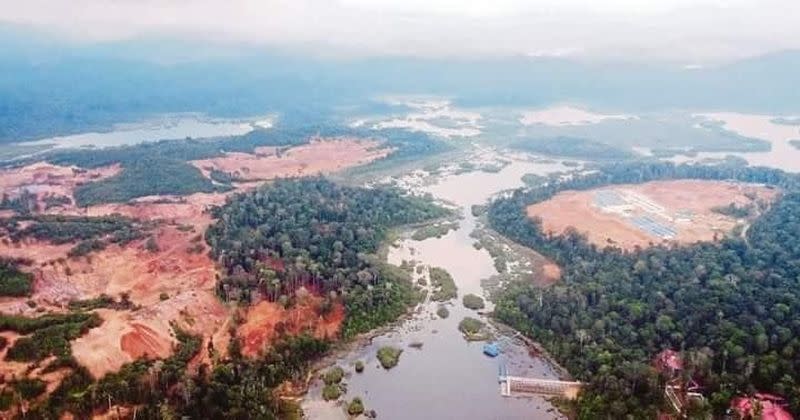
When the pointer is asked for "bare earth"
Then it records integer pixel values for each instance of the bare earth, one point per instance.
(185, 278)
(45, 179)
(266, 320)
(314, 158)
(683, 206)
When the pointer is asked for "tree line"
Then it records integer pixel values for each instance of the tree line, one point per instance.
(88, 233)
(318, 235)
(732, 308)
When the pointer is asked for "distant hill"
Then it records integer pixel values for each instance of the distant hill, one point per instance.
(49, 87)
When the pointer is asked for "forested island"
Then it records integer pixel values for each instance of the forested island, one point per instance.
(728, 307)
(572, 147)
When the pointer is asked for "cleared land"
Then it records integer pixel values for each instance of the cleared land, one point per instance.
(628, 216)
(46, 180)
(310, 159)
(173, 284)
(266, 320)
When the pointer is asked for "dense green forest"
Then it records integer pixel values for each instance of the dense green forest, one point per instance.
(315, 234)
(731, 307)
(186, 149)
(152, 176)
(572, 147)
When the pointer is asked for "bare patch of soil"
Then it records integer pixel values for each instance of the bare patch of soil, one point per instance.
(180, 264)
(190, 209)
(682, 210)
(10, 369)
(45, 179)
(144, 343)
(147, 332)
(267, 320)
(551, 272)
(173, 285)
(316, 157)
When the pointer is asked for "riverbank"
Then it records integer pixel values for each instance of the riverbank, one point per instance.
(435, 353)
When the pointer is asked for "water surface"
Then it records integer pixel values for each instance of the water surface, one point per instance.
(449, 377)
(783, 154)
(172, 127)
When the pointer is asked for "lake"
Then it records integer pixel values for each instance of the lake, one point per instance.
(168, 127)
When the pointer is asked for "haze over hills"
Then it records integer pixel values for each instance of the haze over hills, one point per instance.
(412, 209)
(105, 83)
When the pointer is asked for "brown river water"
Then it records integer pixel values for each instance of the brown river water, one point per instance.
(448, 377)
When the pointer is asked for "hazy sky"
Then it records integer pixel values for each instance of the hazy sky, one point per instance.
(689, 31)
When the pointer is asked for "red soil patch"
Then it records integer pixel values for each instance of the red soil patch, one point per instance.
(116, 412)
(45, 179)
(145, 275)
(10, 369)
(125, 336)
(177, 269)
(143, 342)
(551, 272)
(187, 277)
(684, 205)
(190, 209)
(319, 156)
(266, 320)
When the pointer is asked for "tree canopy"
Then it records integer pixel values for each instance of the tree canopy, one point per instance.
(318, 235)
(732, 308)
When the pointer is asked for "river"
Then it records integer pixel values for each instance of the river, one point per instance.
(448, 377)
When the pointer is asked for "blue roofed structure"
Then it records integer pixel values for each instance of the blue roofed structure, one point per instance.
(491, 349)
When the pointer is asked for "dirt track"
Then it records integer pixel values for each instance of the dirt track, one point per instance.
(578, 210)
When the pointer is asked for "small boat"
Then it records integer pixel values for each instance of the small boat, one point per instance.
(491, 349)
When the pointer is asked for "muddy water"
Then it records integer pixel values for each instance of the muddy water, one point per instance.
(448, 377)
(782, 156)
(167, 128)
